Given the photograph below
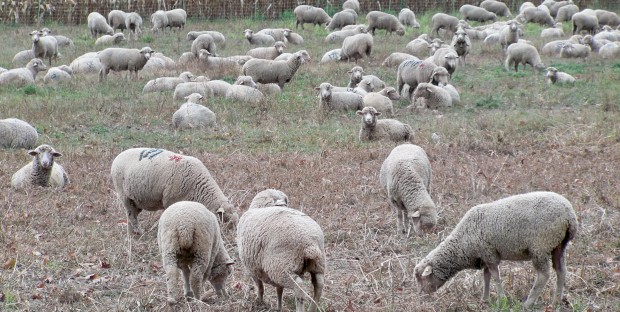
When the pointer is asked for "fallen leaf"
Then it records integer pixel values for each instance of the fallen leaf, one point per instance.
(122, 221)
(41, 285)
(1, 297)
(9, 264)
(91, 277)
(155, 267)
(104, 263)
(37, 296)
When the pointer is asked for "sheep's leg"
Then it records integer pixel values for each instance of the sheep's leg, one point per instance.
(172, 275)
(400, 225)
(299, 293)
(279, 290)
(197, 272)
(260, 290)
(187, 290)
(317, 282)
(559, 265)
(541, 264)
(492, 270)
(132, 216)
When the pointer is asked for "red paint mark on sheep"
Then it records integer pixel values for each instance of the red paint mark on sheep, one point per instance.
(176, 158)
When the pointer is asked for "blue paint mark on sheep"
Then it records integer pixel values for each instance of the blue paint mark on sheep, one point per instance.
(150, 153)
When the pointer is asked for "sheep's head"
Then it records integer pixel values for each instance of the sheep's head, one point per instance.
(424, 37)
(147, 52)
(227, 214)
(369, 115)
(588, 39)
(194, 98)
(191, 36)
(246, 81)
(390, 93)
(37, 64)
(366, 85)
(248, 33)
(203, 54)
(118, 37)
(451, 59)
(187, 76)
(551, 75)
(304, 56)
(36, 35)
(423, 90)
(440, 76)
(269, 198)
(356, 73)
(400, 31)
(325, 91)
(279, 47)
(362, 29)
(428, 281)
(286, 32)
(46, 31)
(44, 156)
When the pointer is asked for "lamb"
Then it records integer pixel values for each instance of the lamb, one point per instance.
(44, 46)
(351, 4)
(294, 38)
(407, 18)
(244, 90)
(159, 19)
(61, 40)
(474, 13)
(497, 7)
(167, 83)
(23, 57)
(334, 55)
(382, 20)
(414, 72)
(98, 25)
(176, 18)
(258, 39)
(204, 41)
(555, 32)
(118, 59)
(42, 171)
(309, 14)
(338, 101)
(217, 36)
(268, 71)
(116, 20)
(133, 22)
(394, 59)
(87, 63)
(153, 179)
(58, 74)
(433, 97)
(267, 53)
(269, 198)
(278, 245)
(509, 34)
(594, 44)
(357, 46)
(341, 19)
(535, 15)
(23, 75)
(575, 50)
(534, 226)
(374, 129)
(340, 35)
(189, 239)
(584, 22)
(461, 44)
(382, 100)
(610, 50)
(554, 76)
(192, 115)
(523, 53)
(16, 133)
(443, 21)
(186, 88)
(565, 13)
(110, 40)
(446, 58)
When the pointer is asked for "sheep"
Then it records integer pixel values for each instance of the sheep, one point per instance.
(610, 50)
(219, 87)
(278, 245)
(16, 133)
(355, 76)
(278, 34)
(287, 56)
(268, 53)
(218, 37)
(553, 48)
(98, 25)
(565, 13)
(555, 32)
(509, 34)
(258, 39)
(584, 22)
(454, 94)
(42, 171)
(340, 35)
(133, 22)
(474, 13)
(118, 59)
(446, 58)
(554, 76)
(167, 83)
(525, 5)
(58, 74)
(338, 101)
(268, 89)
(61, 40)
(192, 115)
(186, 88)
(413, 72)
(87, 63)
(357, 46)
(351, 4)
(110, 40)
(382, 20)
(382, 100)
(418, 47)
(44, 46)
(535, 15)
(332, 56)
(394, 59)
(269, 198)
(407, 18)
(204, 41)
(594, 44)
(23, 75)
(159, 19)
(23, 57)
(188, 236)
(268, 71)
(497, 7)
(461, 44)
(575, 50)
(374, 129)
(215, 64)
(607, 18)
(309, 14)
(294, 38)
(155, 67)
(523, 53)
(2, 70)
(432, 97)
(534, 226)
(443, 21)
(116, 20)
(176, 18)
(153, 179)
(341, 19)
(608, 33)
(244, 90)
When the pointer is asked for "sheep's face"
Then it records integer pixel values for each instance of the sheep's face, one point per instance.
(428, 281)
(248, 33)
(227, 214)
(440, 76)
(369, 115)
(304, 56)
(38, 65)
(392, 94)
(400, 31)
(356, 73)
(451, 60)
(44, 155)
(325, 91)
(246, 81)
(147, 52)
(218, 276)
(279, 47)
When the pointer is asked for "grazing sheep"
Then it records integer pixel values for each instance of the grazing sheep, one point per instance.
(61, 40)
(357, 46)
(382, 20)
(419, 47)
(278, 245)
(497, 7)
(133, 22)
(23, 75)
(110, 40)
(42, 171)
(218, 37)
(331, 56)
(98, 25)
(407, 18)
(474, 13)
(431, 96)
(341, 19)
(340, 35)
(44, 46)
(525, 54)
(413, 72)
(167, 83)
(575, 50)
(535, 15)
(16, 133)
(338, 101)
(525, 5)
(565, 13)
(58, 74)
(186, 88)
(244, 90)
(461, 44)
(394, 59)
(176, 18)
(153, 179)
(534, 226)
(294, 38)
(584, 22)
(159, 19)
(204, 41)
(610, 50)
(509, 34)
(351, 4)
(382, 100)
(309, 14)
(374, 129)
(269, 198)
(23, 57)
(268, 53)
(268, 71)
(192, 115)
(189, 239)
(446, 58)
(118, 59)
(554, 76)
(406, 177)
(607, 18)
(443, 21)
(116, 20)
(555, 32)
(594, 44)
(258, 39)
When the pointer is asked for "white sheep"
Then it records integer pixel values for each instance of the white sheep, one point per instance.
(497, 7)
(610, 50)
(338, 101)
(286, 56)
(566, 12)
(357, 46)
(133, 22)
(23, 57)
(61, 40)
(186, 88)
(419, 47)
(44, 46)
(407, 18)
(278, 245)
(394, 59)
(189, 239)
(2, 70)
(454, 93)
(16, 133)
(268, 89)
(219, 87)
(339, 35)
(509, 34)
(331, 56)
(525, 54)
(351, 4)
(116, 20)
(534, 226)
(370, 83)
(309, 14)
(341, 19)
(582, 21)
(474, 13)
(575, 50)
(461, 43)
(218, 37)
(535, 15)
(267, 53)
(413, 72)
(382, 100)
(554, 76)
(406, 177)
(258, 39)
(87, 63)
(176, 18)
(167, 83)
(244, 90)
(216, 65)
(595, 44)
(159, 19)
(97, 25)
(204, 41)
(269, 198)
(554, 32)
(446, 58)
(374, 129)
(279, 34)
(118, 59)
(431, 96)
(58, 74)
(382, 20)
(193, 115)
(117, 38)
(443, 21)
(23, 75)
(42, 171)
(294, 38)
(269, 71)
(153, 179)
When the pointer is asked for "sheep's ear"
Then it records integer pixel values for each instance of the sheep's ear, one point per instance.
(220, 210)
(349, 72)
(33, 153)
(428, 270)
(56, 154)
(430, 90)
(378, 114)
(317, 88)
(360, 113)
(230, 262)
(416, 214)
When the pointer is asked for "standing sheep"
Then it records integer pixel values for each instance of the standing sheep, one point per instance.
(341, 19)
(394, 59)
(607, 18)
(474, 13)
(309, 14)
(554, 76)
(118, 59)
(176, 18)
(159, 19)
(268, 71)
(268, 53)
(413, 72)
(277, 245)
(535, 15)
(42, 171)
(534, 226)
(461, 44)
(509, 34)
(584, 22)
(204, 41)
(431, 96)
(269, 198)
(357, 46)
(407, 18)
(329, 100)
(153, 179)
(443, 21)
(133, 22)
(62, 41)
(116, 20)
(58, 74)
(418, 47)
(98, 25)
(351, 4)
(497, 7)
(340, 35)
(374, 129)
(192, 115)
(566, 13)
(16, 133)
(382, 20)
(406, 177)
(44, 46)
(446, 58)
(23, 75)
(525, 54)
(217, 36)
(189, 239)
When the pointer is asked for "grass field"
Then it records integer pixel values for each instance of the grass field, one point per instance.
(68, 250)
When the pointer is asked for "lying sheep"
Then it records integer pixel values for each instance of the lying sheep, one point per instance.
(357, 46)
(87, 63)
(338, 101)
(268, 53)
(553, 48)
(608, 33)
(332, 56)
(406, 176)
(118, 59)
(461, 44)
(219, 87)
(309, 14)
(278, 245)
(258, 39)
(454, 93)
(497, 7)
(594, 44)
(382, 100)
(294, 38)
(204, 41)
(193, 115)
(371, 83)
(23, 57)
(133, 22)
(584, 22)
(167, 83)
(278, 34)
(536, 226)
(110, 40)
(116, 20)
(16, 133)
(431, 96)
(244, 90)
(194, 245)
(44, 46)
(216, 65)
(268, 71)
(414, 72)
(610, 50)
(419, 47)
(218, 37)
(555, 32)
(23, 75)
(374, 129)
(341, 19)
(443, 21)
(535, 15)
(58, 74)
(525, 54)
(554, 76)
(382, 20)
(446, 58)
(340, 35)
(153, 179)
(159, 20)
(269, 198)
(394, 59)
(474, 13)
(565, 13)
(176, 18)
(186, 88)
(42, 171)
(575, 50)
(407, 18)
(98, 25)
(351, 4)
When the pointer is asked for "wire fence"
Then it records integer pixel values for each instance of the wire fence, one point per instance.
(76, 11)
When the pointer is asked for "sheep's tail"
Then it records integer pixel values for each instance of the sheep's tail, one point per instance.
(571, 231)
(314, 259)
